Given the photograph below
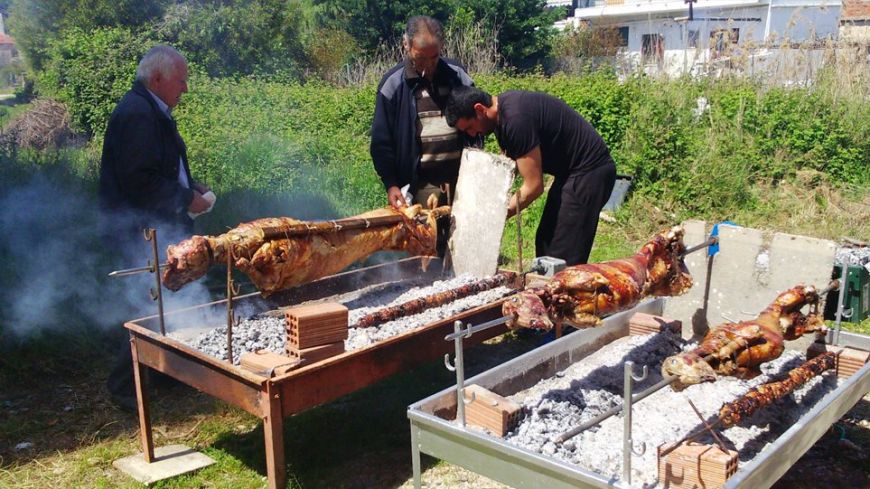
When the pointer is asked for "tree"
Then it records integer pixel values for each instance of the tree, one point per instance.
(524, 27)
(237, 36)
(35, 23)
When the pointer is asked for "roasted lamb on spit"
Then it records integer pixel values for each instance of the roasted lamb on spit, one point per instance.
(740, 348)
(582, 294)
(276, 261)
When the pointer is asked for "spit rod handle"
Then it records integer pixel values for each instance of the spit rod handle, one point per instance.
(706, 244)
(134, 271)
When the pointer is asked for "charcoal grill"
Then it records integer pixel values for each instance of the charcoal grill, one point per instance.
(434, 431)
(272, 399)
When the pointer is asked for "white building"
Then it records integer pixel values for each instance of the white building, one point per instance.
(659, 36)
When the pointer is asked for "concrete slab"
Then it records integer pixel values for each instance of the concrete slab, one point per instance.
(750, 270)
(479, 212)
(690, 307)
(170, 461)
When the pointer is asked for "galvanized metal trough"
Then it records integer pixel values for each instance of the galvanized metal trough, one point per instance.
(434, 431)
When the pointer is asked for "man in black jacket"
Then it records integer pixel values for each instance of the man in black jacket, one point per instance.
(145, 179)
(144, 174)
(411, 143)
(545, 135)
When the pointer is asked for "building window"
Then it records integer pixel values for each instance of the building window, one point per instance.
(693, 38)
(652, 48)
(722, 39)
(623, 35)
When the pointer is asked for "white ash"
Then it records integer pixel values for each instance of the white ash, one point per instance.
(251, 334)
(594, 384)
(362, 337)
(265, 332)
(854, 256)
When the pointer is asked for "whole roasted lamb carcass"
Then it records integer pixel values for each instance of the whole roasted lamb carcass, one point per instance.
(582, 294)
(277, 262)
(740, 348)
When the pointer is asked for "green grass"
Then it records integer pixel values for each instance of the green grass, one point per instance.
(9, 112)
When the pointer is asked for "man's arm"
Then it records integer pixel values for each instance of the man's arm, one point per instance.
(531, 169)
(383, 145)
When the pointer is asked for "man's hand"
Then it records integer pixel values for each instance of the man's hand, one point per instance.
(198, 204)
(201, 187)
(394, 195)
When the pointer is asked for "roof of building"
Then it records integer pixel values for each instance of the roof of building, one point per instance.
(6, 39)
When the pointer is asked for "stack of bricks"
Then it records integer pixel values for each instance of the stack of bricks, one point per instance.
(641, 324)
(849, 360)
(316, 332)
(267, 363)
(491, 411)
(693, 465)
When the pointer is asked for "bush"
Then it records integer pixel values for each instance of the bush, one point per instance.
(90, 71)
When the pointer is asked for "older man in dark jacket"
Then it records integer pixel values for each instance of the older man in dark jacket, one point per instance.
(145, 179)
(412, 147)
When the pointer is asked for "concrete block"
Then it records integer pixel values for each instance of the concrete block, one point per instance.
(747, 274)
(689, 307)
(170, 461)
(479, 212)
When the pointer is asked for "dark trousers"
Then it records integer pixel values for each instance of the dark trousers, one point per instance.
(440, 188)
(570, 219)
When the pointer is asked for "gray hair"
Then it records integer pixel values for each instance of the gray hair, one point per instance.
(423, 23)
(159, 59)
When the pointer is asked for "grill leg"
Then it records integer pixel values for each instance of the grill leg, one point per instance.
(273, 428)
(145, 434)
(415, 458)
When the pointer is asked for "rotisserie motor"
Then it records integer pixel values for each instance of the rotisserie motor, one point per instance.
(582, 294)
(739, 348)
(285, 261)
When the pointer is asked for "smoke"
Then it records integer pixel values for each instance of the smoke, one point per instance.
(54, 265)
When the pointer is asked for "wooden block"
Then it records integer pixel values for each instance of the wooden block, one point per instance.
(849, 360)
(693, 465)
(315, 325)
(641, 324)
(316, 353)
(532, 278)
(267, 363)
(491, 411)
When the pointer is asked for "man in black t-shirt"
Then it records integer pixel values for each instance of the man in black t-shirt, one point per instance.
(544, 135)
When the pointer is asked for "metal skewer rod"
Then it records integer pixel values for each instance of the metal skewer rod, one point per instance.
(706, 244)
(700, 431)
(133, 271)
(474, 329)
(333, 226)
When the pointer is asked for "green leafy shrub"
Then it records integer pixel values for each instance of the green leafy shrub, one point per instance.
(90, 71)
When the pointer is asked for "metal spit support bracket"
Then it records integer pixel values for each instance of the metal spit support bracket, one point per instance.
(628, 449)
(458, 366)
(150, 234)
